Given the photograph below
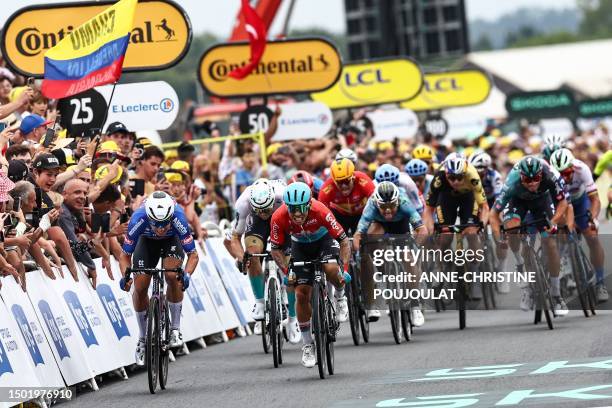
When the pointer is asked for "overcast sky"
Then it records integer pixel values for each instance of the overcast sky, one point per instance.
(217, 16)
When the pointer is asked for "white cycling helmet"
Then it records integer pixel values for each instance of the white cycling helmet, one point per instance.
(480, 159)
(562, 159)
(554, 139)
(455, 163)
(262, 195)
(160, 208)
(347, 154)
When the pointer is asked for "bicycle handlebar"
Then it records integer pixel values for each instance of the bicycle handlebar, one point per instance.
(524, 226)
(152, 271)
(457, 228)
(306, 263)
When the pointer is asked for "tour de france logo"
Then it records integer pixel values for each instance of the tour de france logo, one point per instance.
(166, 105)
(163, 25)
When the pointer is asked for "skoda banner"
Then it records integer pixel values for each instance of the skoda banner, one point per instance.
(451, 89)
(160, 38)
(374, 83)
(287, 67)
(595, 108)
(396, 123)
(306, 120)
(139, 106)
(544, 104)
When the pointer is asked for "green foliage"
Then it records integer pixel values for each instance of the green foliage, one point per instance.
(483, 43)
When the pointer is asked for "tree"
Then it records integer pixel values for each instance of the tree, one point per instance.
(597, 18)
(483, 43)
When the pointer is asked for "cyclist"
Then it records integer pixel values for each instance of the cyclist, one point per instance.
(417, 170)
(551, 144)
(346, 193)
(347, 154)
(158, 225)
(314, 234)
(585, 202)
(532, 187)
(314, 183)
(254, 209)
(456, 191)
(426, 154)
(388, 172)
(390, 211)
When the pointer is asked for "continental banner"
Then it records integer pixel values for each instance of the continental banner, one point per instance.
(374, 83)
(287, 67)
(159, 39)
(451, 89)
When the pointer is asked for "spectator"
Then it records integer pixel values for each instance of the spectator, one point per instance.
(19, 152)
(186, 152)
(33, 128)
(6, 86)
(118, 133)
(245, 175)
(148, 167)
(18, 171)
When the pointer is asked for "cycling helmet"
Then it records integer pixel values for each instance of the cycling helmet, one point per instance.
(530, 166)
(416, 168)
(297, 193)
(342, 169)
(549, 150)
(159, 207)
(423, 152)
(386, 193)
(481, 160)
(562, 159)
(304, 177)
(455, 163)
(262, 195)
(387, 172)
(554, 139)
(347, 154)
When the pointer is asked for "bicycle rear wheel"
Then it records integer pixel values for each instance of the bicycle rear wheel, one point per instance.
(407, 324)
(544, 298)
(330, 326)
(318, 326)
(395, 315)
(353, 307)
(589, 278)
(579, 273)
(152, 345)
(164, 356)
(266, 340)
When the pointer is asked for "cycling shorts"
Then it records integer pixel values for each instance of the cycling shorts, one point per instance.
(348, 222)
(452, 205)
(324, 249)
(149, 251)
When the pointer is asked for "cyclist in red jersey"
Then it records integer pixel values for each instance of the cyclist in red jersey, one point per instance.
(346, 193)
(314, 234)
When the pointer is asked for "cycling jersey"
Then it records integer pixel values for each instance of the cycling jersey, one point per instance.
(317, 185)
(319, 222)
(470, 183)
(407, 185)
(428, 179)
(139, 226)
(492, 184)
(603, 163)
(582, 181)
(371, 214)
(243, 205)
(551, 184)
(353, 204)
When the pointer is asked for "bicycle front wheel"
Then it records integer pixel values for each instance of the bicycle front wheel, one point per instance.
(273, 324)
(351, 297)
(152, 346)
(164, 355)
(318, 326)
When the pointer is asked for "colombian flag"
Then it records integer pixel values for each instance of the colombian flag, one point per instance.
(91, 55)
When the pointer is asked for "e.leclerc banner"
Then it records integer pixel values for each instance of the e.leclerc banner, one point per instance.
(374, 83)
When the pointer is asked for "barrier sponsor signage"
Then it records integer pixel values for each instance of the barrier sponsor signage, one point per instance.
(34, 338)
(544, 104)
(595, 108)
(562, 127)
(462, 127)
(160, 38)
(255, 119)
(305, 120)
(207, 318)
(139, 106)
(287, 67)
(451, 89)
(396, 123)
(373, 83)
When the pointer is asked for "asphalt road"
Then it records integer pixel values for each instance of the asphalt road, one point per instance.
(570, 366)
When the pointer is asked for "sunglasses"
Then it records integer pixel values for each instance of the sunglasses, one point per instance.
(300, 208)
(455, 177)
(344, 183)
(387, 207)
(263, 212)
(530, 180)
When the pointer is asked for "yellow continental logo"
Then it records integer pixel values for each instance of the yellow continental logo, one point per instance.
(451, 89)
(373, 83)
(287, 67)
(160, 38)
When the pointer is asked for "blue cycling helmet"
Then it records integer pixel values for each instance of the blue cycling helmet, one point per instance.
(297, 193)
(416, 168)
(387, 172)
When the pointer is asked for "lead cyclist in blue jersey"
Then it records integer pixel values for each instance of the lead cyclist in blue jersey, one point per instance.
(159, 225)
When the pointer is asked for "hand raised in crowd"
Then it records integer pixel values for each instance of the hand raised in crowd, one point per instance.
(119, 229)
(7, 269)
(106, 264)
(84, 162)
(25, 96)
(93, 276)
(23, 241)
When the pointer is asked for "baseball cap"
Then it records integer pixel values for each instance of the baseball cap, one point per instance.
(273, 148)
(116, 127)
(31, 122)
(45, 161)
(17, 170)
(64, 156)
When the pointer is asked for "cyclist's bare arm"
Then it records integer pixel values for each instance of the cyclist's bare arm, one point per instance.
(234, 246)
(279, 258)
(192, 262)
(345, 251)
(559, 212)
(124, 262)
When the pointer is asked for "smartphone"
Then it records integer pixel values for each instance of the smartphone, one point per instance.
(57, 124)
(137, 187)
(160, 176)
(100, 222)
(17, 204)
(49, 136)
(124, 218)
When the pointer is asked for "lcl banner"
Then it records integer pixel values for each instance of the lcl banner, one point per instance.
(373, 83)
(160, 38)
(451, 89)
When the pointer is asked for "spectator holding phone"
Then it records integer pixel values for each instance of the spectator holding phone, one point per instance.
(148, 168)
